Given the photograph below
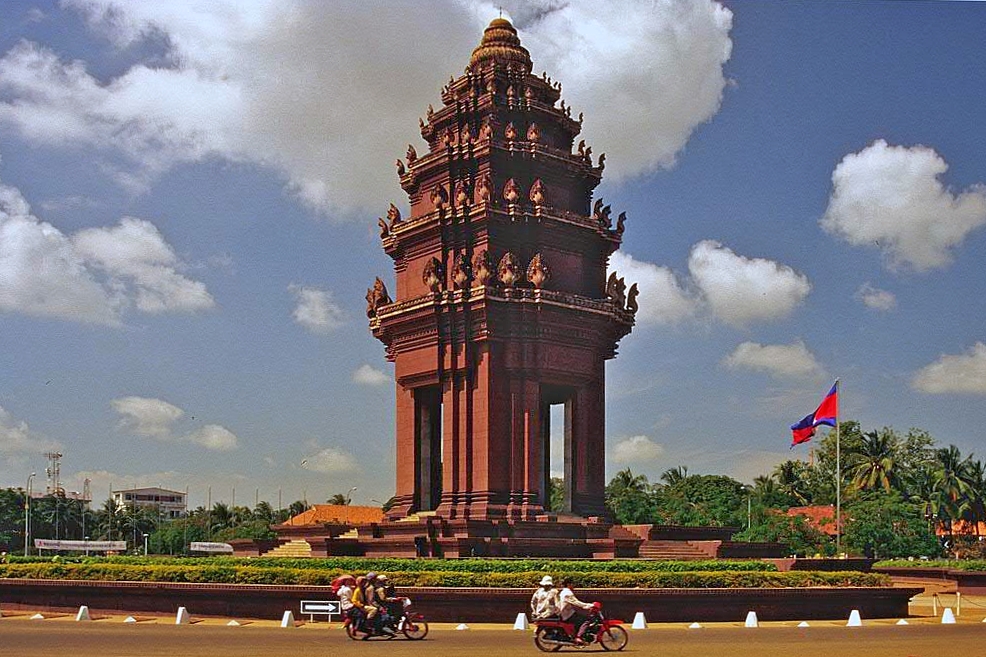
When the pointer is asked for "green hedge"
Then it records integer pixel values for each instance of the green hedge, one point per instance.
(362, 564)
(974, 565)
(236, 574)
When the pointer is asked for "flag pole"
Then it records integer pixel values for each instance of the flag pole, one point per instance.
(838, 479)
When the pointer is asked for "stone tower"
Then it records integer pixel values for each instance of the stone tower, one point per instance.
(502, 306)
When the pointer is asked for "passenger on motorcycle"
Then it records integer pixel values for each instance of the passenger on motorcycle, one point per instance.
(573, 610)
(344, 586)
(544, 602)
(391, 605)
(365, 598)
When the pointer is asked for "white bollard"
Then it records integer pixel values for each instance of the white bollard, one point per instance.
(37, 617)
(804, 624)
(182, 617)
(287, 620)
(521, 622)
(695, 626)
(129, 619)
(83, 614)
(751, 620)
(462, 626)
(854, 619)
(232, 623)
(639, 621)
(947, 617)
(903, 621)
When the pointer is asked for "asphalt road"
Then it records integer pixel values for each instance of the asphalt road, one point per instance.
(100, 639)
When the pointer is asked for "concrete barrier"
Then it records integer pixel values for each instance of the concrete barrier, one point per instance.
(83, 614)
(639, 621)
(287, 620)
(182, 617)
(855, 620)
(751, 620)
(521, 622)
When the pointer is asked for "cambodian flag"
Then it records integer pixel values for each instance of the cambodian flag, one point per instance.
(826, 413)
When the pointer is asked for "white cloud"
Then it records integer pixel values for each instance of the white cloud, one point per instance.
(963, 374)
(781, 360)
(316, 310)
(214, 437)
(732, 288)
(741, 290)
(891, 197)
(91, 276)
(330, 461)
(367, 375)
(18, 440)
(156, 418)
(636, 450)
(875, 298)
(662, 299)
(136, 258)
(255, 81)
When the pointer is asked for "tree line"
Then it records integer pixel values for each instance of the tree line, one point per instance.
(899, 491)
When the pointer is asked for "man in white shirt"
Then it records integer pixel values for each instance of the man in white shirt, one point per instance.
(544, 602)
(573, 610)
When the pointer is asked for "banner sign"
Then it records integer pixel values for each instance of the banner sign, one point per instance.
(80, 546)
(202, 546)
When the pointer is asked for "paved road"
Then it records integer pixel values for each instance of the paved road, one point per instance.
(22, 638)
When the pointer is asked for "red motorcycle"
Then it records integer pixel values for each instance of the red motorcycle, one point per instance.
(554, 634)
(407, 622)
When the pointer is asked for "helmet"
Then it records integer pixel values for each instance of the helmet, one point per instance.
(381, 578)
(597, 605)
(371, 575)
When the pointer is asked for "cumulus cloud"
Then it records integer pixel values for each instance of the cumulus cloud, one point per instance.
(330, 460)
(875, 298)
(18, 440)
(781, 360)
(662, 298)
(741, 290)
(367, 375)
(287, 84)
(722, 284)
(636, 450)
(92, 276)
(890, 197)
(963, 374)
(156, 418)
(316, 310)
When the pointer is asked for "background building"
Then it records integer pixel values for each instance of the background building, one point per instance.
(171, 503)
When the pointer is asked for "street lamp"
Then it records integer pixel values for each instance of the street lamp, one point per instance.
(87, 546)
(348, 497)
(145, 544)
(27, 514)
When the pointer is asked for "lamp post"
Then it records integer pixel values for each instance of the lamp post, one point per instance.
(145, 544)
(27, 514)
(87, 546)
(348, 497)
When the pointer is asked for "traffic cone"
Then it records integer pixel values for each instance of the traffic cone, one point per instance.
(947, 617)
(854, 619)
(639, 621)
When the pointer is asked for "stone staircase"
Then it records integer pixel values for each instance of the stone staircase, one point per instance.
(293, 549)
(671, 551)
(416, 516)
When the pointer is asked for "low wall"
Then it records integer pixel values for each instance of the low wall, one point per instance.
(458, 604)
(966, 582)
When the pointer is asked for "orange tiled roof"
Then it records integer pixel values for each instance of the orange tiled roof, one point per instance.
(821, 518)
(320, 514)
(962, 527)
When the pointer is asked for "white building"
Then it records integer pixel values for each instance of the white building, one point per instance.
(171, 503)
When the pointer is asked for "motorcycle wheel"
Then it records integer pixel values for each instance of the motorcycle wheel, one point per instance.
(540, 640)
(613, 638)
(415, 630)
(352, 632)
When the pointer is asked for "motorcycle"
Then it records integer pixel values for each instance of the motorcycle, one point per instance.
(408, 622)
(552, 635)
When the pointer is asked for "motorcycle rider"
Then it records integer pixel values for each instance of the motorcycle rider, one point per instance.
(345, 594)
(391, 605)
(573, 610)
(544, 602)
(364, 597)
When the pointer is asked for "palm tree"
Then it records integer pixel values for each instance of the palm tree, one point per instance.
(790, 476)
(264, 511)
(221, 516)
(339, 499)
(952, 485)
(872, 465)
(674, 476)
(977, 498)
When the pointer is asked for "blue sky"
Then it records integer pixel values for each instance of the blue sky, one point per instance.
(188, 202)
